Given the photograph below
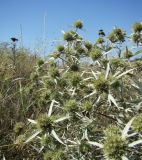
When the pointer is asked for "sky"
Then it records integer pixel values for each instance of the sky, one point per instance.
(36, 20)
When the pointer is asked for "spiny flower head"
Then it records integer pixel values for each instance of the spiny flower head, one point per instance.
(54, 72)
(88, 45)
(102, 84)
(96, 54)
(87, 106)
(60, 48)
(71, 106)
(74, 67)
(117, 35)
(81, 50)
(18, 127)
(114, 145)
(74, 78)
(100, 40)
(40, 62)
(78, 24)
(137, 27)
(20, 139)
(62, 82)
(49, 83)
(137, 38)
(69, 36)
(55, 155)
(44, 122)
(117, 62)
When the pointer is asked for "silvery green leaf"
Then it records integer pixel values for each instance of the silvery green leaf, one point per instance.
(117, 73)
(119, 121)
(40, 150)
(139, 106)
(75, 143)
(89, 95)
(94, 74)
(33, 136)
(126, 128)
(62, 119)
(124, 73)
(124, 158)
(96, 144)
(131, 135)
(32, 121)
(3, 158)
(135, 143)
(111, 98)
(107, 70)
(56, 137)
(50, 108)
(85, 135)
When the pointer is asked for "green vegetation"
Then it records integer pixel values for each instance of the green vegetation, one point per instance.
(66, 109)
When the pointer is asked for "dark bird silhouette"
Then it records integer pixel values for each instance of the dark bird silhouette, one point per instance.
(14, 39)
(101, 33)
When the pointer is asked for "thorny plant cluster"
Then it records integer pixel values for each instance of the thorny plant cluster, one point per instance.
(79, 111)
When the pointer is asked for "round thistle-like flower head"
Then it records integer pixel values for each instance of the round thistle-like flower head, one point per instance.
(112, 130)
(20, 139)
(117, 35)
(102, 84)
(137, 27)
(74, 78)
(44, 122)
(40, 62)
(96, 54)
(56, 55)
(54, 72)
(116, 62)
(55, 155)
(81, 50)
(78, 24)
(74, 67)
(137, 38)
(60, 48)
(49, 84)
(87, 106)
(69, 36)
(112, 37)
(71, 106)
(114, 145)
(88, 45)
(18, 127)
(100, 40)
(137, 123)
(62, 82)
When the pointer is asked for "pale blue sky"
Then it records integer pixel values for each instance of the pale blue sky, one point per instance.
(96, 14)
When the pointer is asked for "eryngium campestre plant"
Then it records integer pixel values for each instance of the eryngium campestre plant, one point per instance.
(114, 145)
